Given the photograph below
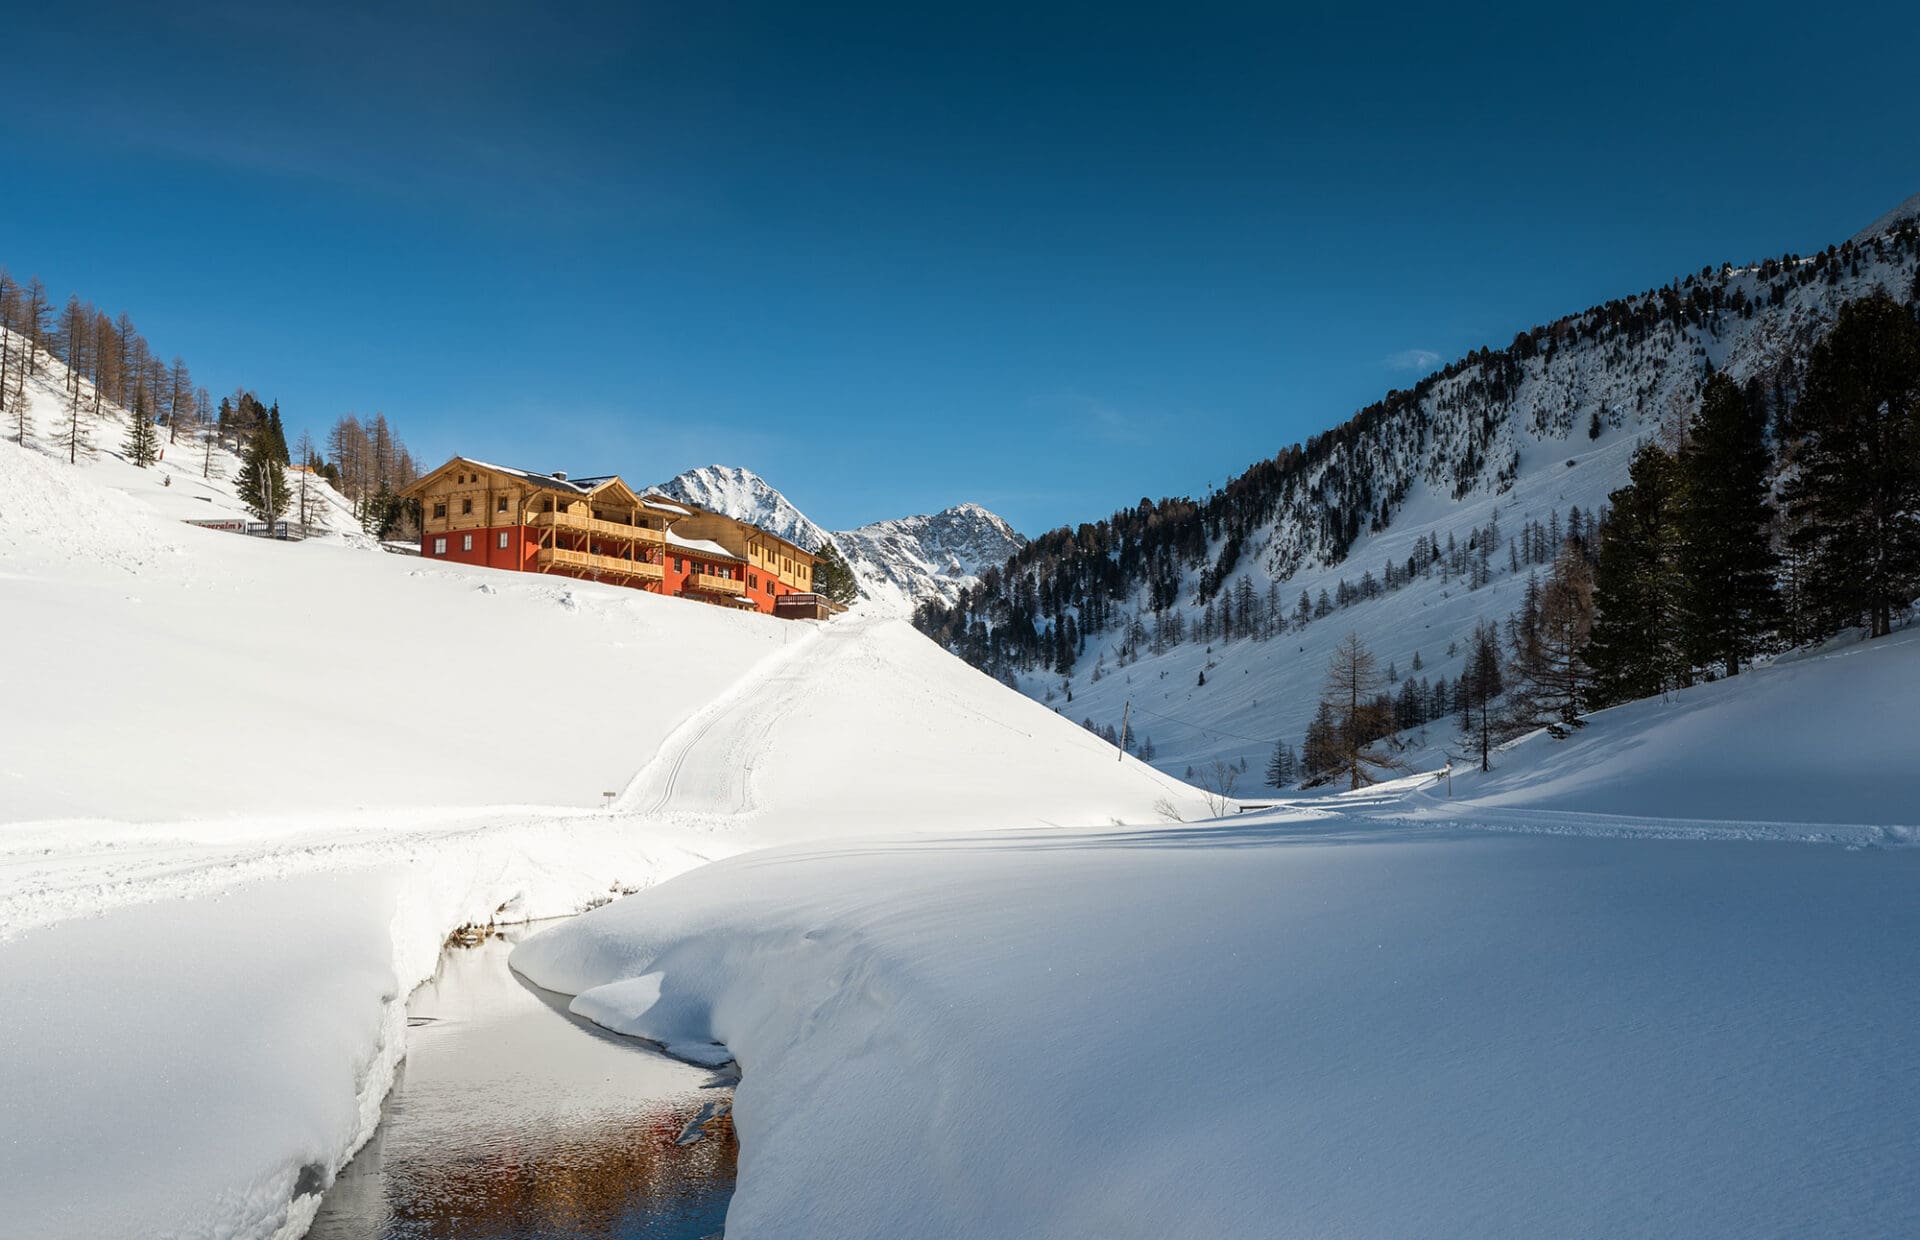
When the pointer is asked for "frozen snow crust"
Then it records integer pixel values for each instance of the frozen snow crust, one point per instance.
(247, 788)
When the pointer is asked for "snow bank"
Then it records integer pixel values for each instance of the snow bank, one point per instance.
(1825, 737)
(1278, 1027)
(194, 1048)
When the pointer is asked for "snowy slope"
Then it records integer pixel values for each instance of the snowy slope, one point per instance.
(190, 483)
(1502, 438)
(1643, 1012)
(905, 561)
(1819, 737)
(229, 762)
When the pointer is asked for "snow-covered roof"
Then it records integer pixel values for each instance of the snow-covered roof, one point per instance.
(655, 501)
(702, 547)
(538, 479)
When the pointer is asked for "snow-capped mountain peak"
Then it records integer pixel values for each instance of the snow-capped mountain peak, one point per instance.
(905, 561)
(745, 496)
(1908, 210)
(899, 563)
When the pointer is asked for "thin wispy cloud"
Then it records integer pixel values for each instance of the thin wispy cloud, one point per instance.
(1091, 415)
(1414, 359)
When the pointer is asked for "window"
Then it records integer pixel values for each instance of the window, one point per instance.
(502, 506)
(503, 540)
(439, 546)
(466, 506)
(439, 510)
(753, 582)
(676, 565)
(466, 542)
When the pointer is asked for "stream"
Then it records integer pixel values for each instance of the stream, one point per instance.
(512, 1119)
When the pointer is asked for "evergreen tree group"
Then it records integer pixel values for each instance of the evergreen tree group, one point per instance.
(1636, 585)
(1855, 499)
(262, 483)
(1728, 606)
(1690, 575)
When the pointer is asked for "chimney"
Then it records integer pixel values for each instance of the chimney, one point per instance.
(561, 474)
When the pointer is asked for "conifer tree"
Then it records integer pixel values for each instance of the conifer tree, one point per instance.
(143, 442)
(1632, 651)
(1282, 767)
(1480, 684)
(263, 482)
(1726, 565)
(1856, 497)
(1320, 752)
(833, 577)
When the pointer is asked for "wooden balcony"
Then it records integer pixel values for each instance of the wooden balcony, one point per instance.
(606, 565)
(716, 585)
(595, 527)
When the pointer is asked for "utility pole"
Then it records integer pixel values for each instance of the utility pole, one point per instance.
(1123, 731)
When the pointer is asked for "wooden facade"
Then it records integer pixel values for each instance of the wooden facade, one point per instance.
(600, 529)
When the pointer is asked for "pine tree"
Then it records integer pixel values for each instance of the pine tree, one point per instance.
(263, 481)
(1728, 604)
(1632, 650)
(1856, 498)
(278, 433)
(1282, 767)
(833, 577)
(1320, 752)
(143, 442)
(1480, 685)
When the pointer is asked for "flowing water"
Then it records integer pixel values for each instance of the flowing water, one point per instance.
(511, 1120)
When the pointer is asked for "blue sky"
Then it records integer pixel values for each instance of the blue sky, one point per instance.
(1048, 258)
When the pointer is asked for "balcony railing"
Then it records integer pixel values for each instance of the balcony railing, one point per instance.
(595, 526)
(613, 566)
(717, 585)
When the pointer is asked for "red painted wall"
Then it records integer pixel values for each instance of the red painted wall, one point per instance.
(518, 553)
(522, 544)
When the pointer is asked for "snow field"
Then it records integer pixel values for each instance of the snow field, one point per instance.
(1645, 981)
(1286, 1026)
(246, 789)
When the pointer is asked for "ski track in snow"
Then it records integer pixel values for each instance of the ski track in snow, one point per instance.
(706, 766)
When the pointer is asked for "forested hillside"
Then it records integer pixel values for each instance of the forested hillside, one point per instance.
(89, 388)
(1433, 511)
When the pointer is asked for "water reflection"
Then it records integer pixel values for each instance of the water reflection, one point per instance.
(513, 1120)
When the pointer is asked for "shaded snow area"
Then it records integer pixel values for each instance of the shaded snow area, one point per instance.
(1677, 1001)
(247, 788)
(1823, 737)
